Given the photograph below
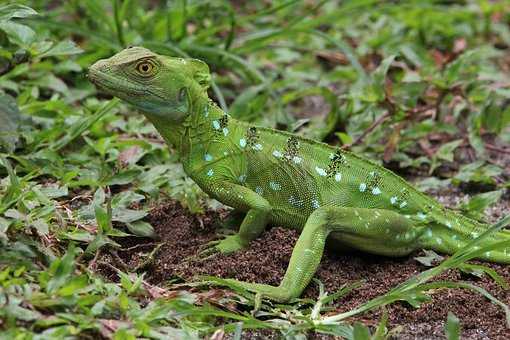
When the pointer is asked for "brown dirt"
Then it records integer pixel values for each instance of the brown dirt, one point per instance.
(265, 261)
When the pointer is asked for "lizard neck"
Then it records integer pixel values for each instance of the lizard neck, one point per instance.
(201, 114)
(191, 135)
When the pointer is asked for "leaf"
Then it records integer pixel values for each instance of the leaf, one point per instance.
(430, 259)
(141, 228)
(75, 284)
(360, 332)
(479, 270)
(9, 122)
(445, 152)
(15, 11)
(103, 219)
(123, 177)
(62, 270)
(127, 215)
(480, 202)
(66, 47)
(452, 327)
(18, 34)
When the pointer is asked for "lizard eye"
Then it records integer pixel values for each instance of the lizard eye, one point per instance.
(145, 68)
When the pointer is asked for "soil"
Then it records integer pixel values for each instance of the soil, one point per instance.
(266, 259)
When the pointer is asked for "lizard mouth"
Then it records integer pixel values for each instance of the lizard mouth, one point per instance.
(120, 87)
(114, 85)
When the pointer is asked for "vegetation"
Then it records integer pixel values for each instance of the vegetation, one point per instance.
(421, 86)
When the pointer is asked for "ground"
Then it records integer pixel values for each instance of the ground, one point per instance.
(183, 234)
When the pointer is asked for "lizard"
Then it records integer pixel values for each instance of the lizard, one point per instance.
(280, 178)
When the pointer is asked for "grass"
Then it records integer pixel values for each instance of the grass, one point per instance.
(421, 86)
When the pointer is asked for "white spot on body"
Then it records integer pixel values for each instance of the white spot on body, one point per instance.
(438, 240)
(210, 172)
(275, 186)
(315, 204)
(428, 233)
(297, 159)
(242, 142)
(338, 177)
(376, 191)
(206, 111)
(393, 200)
(225, 131)
(257, 147)
(216, 124)
(403, 204)
(242, 178)
(331, 155)
(225, 153)
(362, 187)
(421, 216)
(277, 154)
(449, 225)
(320, 171)
(208, 157)
(259, 190)
(295, 202)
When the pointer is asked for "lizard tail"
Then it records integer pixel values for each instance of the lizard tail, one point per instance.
(457, 231)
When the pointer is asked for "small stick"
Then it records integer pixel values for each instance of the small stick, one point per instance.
(376, 123)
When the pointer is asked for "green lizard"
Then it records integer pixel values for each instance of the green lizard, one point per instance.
(280, 178)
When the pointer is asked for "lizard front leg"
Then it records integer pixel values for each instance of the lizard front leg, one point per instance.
(391, 232)
(242, 198)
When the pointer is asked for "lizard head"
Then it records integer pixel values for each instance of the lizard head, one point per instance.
(157, 85)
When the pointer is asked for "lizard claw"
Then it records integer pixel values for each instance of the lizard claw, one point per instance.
(227, 245)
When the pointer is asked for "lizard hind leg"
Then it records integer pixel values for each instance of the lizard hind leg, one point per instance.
(375, 230)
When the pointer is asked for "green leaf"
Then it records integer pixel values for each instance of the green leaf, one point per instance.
(141, 228)
(445, 152)
(9, 122)
(73, 285)
(62, 270)
(430, 259)
(15, 11)
(19, 34)
(479, 202)
(452, 327)
(103, 219)
(360, 332)
(66, 47)
(127, 215)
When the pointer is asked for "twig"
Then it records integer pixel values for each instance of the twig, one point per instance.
(497, 148)
(376, 123)
(92, 263)
(150, 258)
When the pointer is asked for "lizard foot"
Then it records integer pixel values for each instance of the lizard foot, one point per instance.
(227, 245)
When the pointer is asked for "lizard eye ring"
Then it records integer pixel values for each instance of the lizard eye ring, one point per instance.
(145, 68)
